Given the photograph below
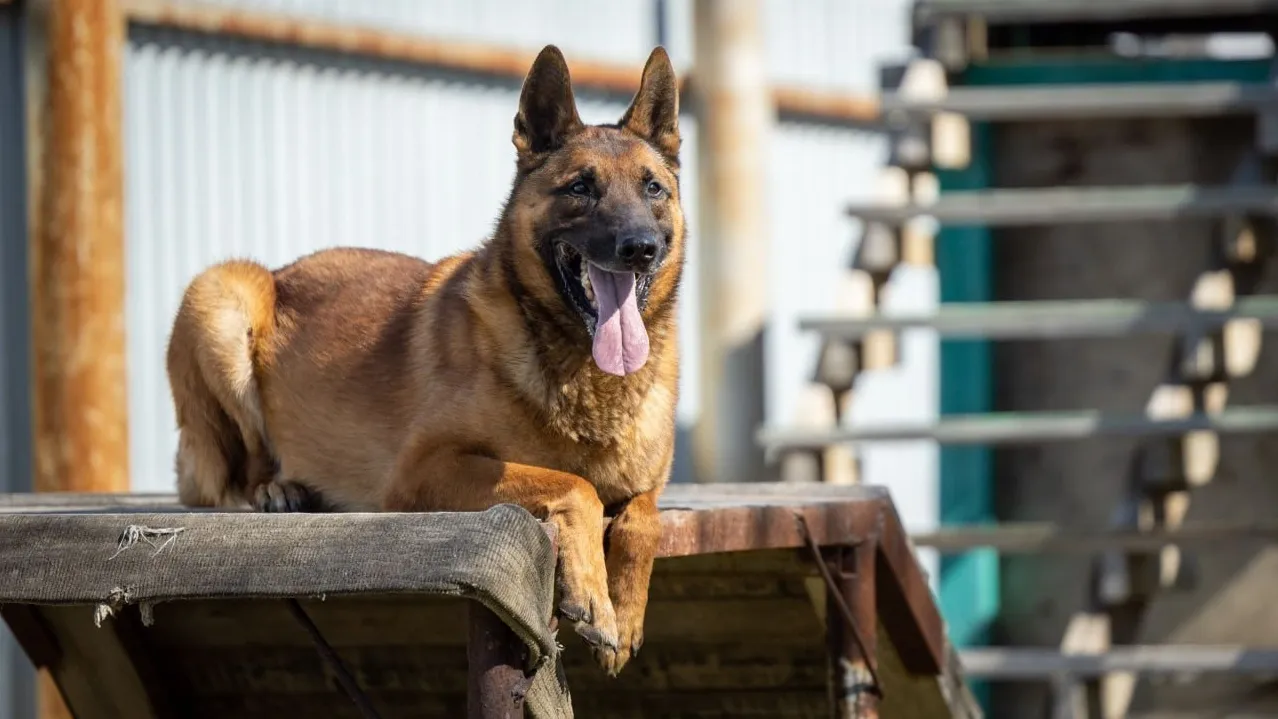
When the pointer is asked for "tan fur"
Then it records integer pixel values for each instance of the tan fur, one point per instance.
(379, 381)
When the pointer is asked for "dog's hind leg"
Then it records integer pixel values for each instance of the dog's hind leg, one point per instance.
(223, 452)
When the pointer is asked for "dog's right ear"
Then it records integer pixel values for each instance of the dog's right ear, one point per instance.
(547, 114)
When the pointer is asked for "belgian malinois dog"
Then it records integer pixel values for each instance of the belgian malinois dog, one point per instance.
(539, 369)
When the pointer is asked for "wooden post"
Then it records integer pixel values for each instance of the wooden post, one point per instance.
(855, 694)
(78, 256)
(79, 391)
(496, 683)
(735, 115)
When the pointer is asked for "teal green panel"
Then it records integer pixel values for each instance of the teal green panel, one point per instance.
(1083, 72)
(969, 582)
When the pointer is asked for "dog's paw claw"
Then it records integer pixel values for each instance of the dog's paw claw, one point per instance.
(613, 658)
(285, 496)
(574, 612)
(596, 637)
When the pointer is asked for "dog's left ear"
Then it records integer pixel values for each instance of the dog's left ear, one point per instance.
(654, 113)
(547, 114)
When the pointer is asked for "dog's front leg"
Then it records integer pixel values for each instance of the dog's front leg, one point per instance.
(632, 543)
(445, 480)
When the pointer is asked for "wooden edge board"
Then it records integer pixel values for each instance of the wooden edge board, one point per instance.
(918, 634)
(1025, 427)
(1032, 663)
(1055, 320)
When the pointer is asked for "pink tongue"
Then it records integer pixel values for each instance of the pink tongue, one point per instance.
(621, 342)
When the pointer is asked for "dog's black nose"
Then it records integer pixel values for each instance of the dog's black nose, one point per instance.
(638, 251)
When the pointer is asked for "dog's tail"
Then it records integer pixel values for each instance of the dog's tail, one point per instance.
(226, 318)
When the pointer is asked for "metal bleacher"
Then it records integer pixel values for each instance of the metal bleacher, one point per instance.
(1218, 329)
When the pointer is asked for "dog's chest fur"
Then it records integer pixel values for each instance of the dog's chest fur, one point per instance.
(618, 435)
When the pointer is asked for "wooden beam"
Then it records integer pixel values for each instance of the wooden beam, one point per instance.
(496, 61)
(78, 256)
(854, 667)
(495, 684)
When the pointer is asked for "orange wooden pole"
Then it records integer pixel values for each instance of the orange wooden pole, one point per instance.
(78, 256)
(81, 422)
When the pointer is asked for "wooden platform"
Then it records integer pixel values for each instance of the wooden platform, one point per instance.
(741, 622)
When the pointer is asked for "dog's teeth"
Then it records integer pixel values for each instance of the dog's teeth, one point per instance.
(585, 284)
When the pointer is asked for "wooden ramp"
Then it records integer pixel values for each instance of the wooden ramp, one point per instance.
(197, 619)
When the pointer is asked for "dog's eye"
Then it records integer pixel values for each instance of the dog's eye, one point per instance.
(655, 189)
(579, 188)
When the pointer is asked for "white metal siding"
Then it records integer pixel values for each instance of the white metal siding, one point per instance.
(238, 151)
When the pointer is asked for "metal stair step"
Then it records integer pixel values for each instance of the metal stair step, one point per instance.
(1053, 320)
(1080, 102)
(1033, 663)
(1048, 538)
(1025, 428)
(927, 12)
(1057, 205)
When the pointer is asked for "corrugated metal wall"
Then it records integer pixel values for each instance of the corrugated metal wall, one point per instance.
(236, 149)
(15, 382)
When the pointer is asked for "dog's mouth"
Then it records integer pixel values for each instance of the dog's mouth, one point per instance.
(609, 304)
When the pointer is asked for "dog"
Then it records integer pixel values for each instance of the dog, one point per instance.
(539, 369)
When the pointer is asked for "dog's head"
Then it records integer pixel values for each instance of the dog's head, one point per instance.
(595, 211)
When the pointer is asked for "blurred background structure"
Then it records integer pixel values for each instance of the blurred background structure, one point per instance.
(142, 140)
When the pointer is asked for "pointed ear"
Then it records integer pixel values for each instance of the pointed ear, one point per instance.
(654, 113)
(547, 114)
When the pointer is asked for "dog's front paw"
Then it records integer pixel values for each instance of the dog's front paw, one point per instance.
(584, 601)
(286, 496)
(629, 640)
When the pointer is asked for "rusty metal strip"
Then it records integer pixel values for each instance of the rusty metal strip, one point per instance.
(334, 662)
(837, 594)
(839, 108)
